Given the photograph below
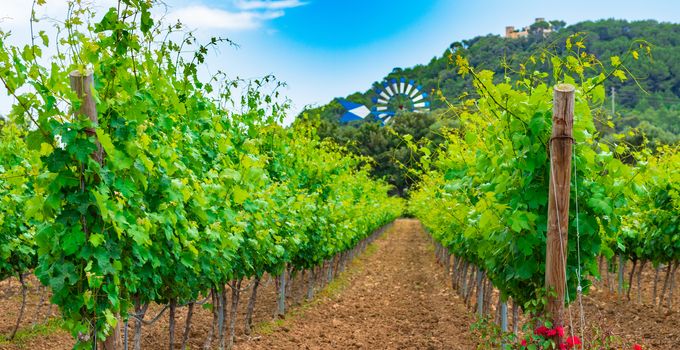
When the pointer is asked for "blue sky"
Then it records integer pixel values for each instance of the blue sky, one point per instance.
(328, 48)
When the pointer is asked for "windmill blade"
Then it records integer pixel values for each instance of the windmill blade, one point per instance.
(415, 91)
(382, 94)
(355, 111)
(395, 87)
(409, 87)
(388, 89)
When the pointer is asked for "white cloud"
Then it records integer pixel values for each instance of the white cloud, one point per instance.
(267, 5)
(241, 15)
(15, 15)
(203, 17)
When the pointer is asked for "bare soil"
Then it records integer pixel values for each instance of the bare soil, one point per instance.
(393, 296)
(397, 298)
(639, 320)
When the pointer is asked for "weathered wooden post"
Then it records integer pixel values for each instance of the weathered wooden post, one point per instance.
(622, 266)
(558, 201)
(82, 83)
(281, 301)
(480, 292)
(504, 320)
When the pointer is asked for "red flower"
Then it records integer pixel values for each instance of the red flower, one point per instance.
(550, 333)
(563, 346)
(542, 330)
(637, 347)
(573, 341)
(524, 342)
(560, 331)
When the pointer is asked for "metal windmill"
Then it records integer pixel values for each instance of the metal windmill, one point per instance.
(393, 97)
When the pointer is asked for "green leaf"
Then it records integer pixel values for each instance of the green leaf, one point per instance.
(537, 125)
(620, 74)
(108, 22)
(44, 37)
(96, 239)
(139, 235)
(470, 138)
(105, 141)
(73, 240)
(526, 269)
(146, 21)
(231, 174)
(526, 244)
(239, 195)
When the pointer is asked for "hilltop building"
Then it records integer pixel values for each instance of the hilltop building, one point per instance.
(540, 26)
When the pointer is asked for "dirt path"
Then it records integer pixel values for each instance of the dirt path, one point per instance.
(392, 296)
(395, 297)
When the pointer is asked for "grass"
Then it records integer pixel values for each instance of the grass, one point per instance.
(25, 334)
(269, 327)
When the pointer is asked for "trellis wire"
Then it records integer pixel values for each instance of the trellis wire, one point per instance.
(579, 287)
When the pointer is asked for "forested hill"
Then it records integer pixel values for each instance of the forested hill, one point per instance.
(652, 108)
(655, 108)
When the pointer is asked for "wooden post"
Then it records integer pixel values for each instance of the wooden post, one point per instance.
(515, 317)
(281, 310)
(330, 270)
(480, 292)
(83, 85)
(504, 320)
(558, 201)
(622, 266)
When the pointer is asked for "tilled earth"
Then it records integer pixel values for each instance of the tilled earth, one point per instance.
(394, 296)
(396, 299)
